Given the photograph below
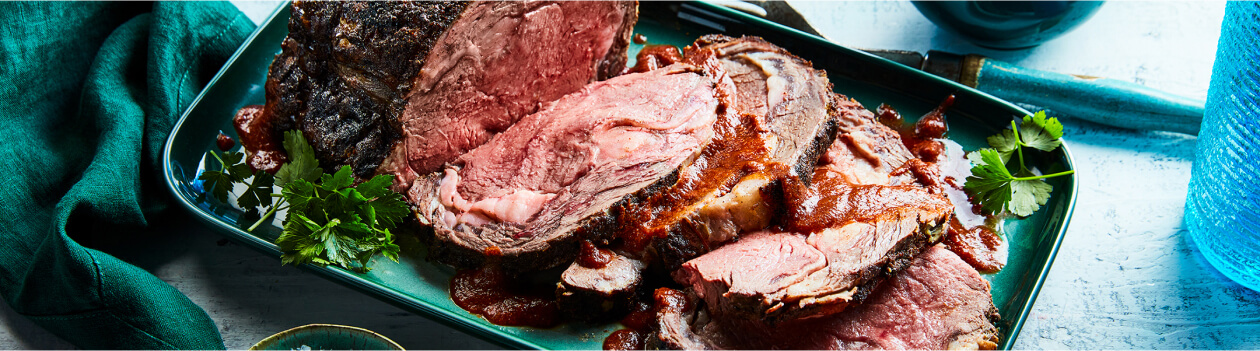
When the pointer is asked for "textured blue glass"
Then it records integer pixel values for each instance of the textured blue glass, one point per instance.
(1223, 204)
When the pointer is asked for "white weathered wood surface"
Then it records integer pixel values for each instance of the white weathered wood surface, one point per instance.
(1127, 275)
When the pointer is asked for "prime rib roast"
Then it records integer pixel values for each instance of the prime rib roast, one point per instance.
(522, 198)
(404, 87)
(863, 233)
(786, 119)
(791, 118)
(937, 302)
(789, 214)
(774, 110)
(870, 207)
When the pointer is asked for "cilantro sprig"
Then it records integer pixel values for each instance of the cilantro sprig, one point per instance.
(997, 186)
(329, 219)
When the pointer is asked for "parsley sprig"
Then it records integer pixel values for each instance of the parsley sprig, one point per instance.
(996, 185)
(329, 219)
(232, 170)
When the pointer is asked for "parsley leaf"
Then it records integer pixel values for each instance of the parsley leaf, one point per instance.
(1041, 133)
(994, 187)
(388, 207)
(335, 223)
(330, 221)
(302, 163)
(298, 194)
(997, 189)
(258, 193)
(217, 183)
(240, 172)
(331, 182)
(1005, 143)
(230, 158)
(231, 170)
(1027, 196)
(989, 180)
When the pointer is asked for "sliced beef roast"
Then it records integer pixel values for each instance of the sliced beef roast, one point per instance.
(403, 87)
(866, 151)
(788, 121)
(522, 197)
(937, 302)
(841, 240)
(599, 284)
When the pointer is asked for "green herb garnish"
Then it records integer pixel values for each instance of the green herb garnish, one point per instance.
(335, 223)
(329, 220)
(231, 170)
(996, 186)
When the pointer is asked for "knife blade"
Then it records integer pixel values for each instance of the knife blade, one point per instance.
(1100, 100)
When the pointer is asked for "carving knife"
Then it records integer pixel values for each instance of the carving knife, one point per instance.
(1100, 100)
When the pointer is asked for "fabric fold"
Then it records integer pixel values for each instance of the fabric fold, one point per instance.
(90, 92)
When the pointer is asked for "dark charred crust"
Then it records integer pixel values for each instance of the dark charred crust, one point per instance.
(827, 134)
(343, 73)
(681, 244)
(615, 62)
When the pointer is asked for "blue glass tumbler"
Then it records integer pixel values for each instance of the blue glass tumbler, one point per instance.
(1223, 204)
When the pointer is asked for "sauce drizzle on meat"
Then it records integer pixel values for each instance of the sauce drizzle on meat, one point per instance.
(655, 56)
(831, 201)
(593, 257)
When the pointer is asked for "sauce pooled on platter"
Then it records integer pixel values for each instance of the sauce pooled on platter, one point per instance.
(263, 150)
(502, 300)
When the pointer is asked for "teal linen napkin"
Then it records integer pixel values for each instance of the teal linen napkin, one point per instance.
(88, 93)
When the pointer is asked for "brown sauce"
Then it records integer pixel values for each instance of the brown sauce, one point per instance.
(638, 322)
(674, 300)
(224, 142)
(735, 152)
(932, 125)
(263, 145)
(640, 317)
(831, 200)
(640, 39)
(889, 116)
(593, 257)
(503, 301)
(980, 246)
(968, 235)
(625, 339)
(655, 56)
(919, 137)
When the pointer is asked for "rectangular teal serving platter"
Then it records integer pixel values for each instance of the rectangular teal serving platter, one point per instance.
(420, 286)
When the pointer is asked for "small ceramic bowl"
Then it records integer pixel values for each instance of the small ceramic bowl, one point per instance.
(326, 337)
(1008, 24)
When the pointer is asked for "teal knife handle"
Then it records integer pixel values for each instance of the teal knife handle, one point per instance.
(1100, 100)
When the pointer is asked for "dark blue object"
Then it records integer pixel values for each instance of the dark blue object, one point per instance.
(1008, 24)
